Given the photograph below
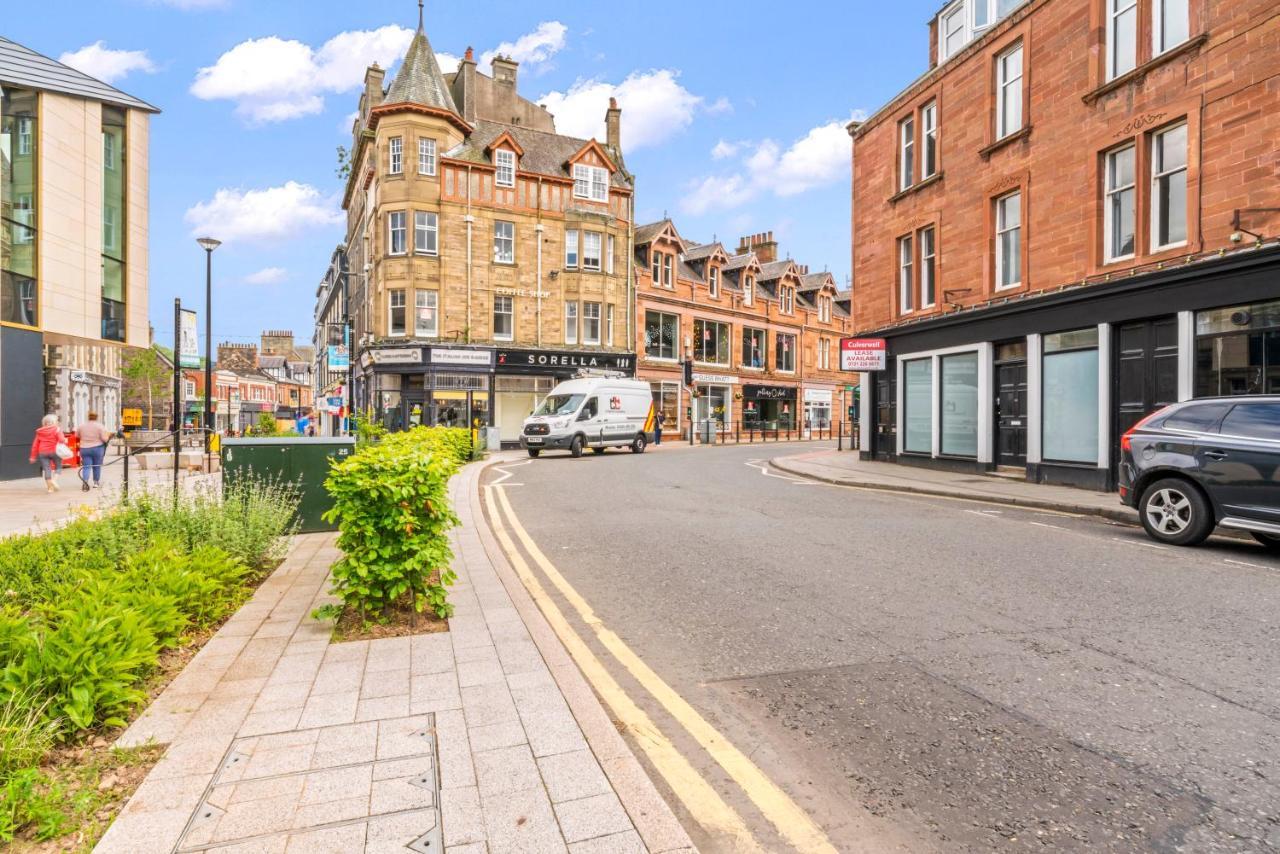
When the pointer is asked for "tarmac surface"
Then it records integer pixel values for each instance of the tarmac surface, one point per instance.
(929, 673)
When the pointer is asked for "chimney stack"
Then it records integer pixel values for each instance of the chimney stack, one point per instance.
(242, 357)
(763, 244)
(464, 85)
(613, 125)
(504, 71)
(373, 77)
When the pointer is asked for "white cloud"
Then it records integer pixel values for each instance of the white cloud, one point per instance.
(267, 276)
(98, 60)
(724, 150)
(818, 158)
(273, 79)
(448, 62)
(267, 214)
(532, 48)
(655, 107)
(722, 106)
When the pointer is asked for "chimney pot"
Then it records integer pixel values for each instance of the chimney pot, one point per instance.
(470, 55)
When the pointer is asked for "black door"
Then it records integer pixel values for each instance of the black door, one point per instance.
(1011, 413)
(1146, 372)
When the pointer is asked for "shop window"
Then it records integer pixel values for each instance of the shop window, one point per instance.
(1238, 350)
(917, 416)
(754, 348)
(666, 398)
(959, 411)
(711, 342)
(661, 334)
(1070, 397)
(784, 352)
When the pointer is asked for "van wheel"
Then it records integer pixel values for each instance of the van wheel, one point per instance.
(638, 444)
(575, 446)
(597, 451)
(1268, 541)
(1176, 512)
(533, 452)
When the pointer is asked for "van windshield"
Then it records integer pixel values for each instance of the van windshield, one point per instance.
(560, 404)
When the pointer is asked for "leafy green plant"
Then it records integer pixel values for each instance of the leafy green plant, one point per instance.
(393, 514)
(29, 798)
(367, 430)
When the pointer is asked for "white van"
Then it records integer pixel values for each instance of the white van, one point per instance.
(592, 412)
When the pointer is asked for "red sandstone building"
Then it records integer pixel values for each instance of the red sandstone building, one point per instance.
(763, 333)
(1069, 220)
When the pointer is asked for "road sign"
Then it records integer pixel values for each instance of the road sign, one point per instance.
(862, 354)
(131, 417)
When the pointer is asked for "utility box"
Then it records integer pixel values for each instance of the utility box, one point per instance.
(303, 461)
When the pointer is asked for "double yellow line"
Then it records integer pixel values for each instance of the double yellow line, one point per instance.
(698, 796)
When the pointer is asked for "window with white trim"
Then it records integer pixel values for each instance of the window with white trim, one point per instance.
(571, 323)
(906, 152)
(954, 31)
(748, 290)
(425, 315)
(591, 250)
(929, 137)
(667, 281)
(608, 324)
(609, 252)
(1009, 241)
(505, 163)
(591, 323)
(504, 318)
(966, 20)
(1169, 187)
(906, 277)
(426, 238)
(928, 267)
(787, 299)
(395, 158)
(571, 250)
(1122, 37)
(396, 233)
(1009, 92)
(504, 242)
(590, 182)
(656, 258)
(426, 156)
(1118, 208)
(1170, 25)
(395, 312)
(713, 282)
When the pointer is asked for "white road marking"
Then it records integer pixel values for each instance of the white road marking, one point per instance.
(1140, 543)
(1245, 563)
(985, 514)
(763, 467)
(1045, 525)
(506, 473)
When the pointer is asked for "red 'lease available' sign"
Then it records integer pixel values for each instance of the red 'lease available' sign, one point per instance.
(862, 354)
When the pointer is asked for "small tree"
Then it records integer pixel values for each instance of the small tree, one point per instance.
(266, 425)
(146, 376)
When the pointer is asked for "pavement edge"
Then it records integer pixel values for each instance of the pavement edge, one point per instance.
(652, 816)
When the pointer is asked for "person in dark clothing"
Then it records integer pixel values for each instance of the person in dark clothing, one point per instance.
(657, 428)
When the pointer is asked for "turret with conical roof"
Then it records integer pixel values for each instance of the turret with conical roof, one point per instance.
(419, 80)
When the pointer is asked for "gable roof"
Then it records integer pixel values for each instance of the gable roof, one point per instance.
(703, 251)
(738, 262)
(775, 269)
(419, 80)
(544, 153)
(650, 232)
(815, 281)
(22, 66)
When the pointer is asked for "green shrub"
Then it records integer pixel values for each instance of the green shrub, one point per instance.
(453, 443)
(28, 798)
(392, 509)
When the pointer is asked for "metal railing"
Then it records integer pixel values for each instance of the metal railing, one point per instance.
(191, 438)
(714, 432)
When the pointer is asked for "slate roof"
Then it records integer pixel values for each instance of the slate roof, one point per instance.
(271, 361)
(774, 270)
(544, 153)
(684, 271)
(419, 80)
(737, 262)
(706, 250)
(646, 233)
(814, 281)
(22, 66)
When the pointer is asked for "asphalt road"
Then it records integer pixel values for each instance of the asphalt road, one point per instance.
(929, 674)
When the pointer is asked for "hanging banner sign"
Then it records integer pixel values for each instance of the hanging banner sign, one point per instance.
(862, 354)
(188, 341)
(339, 358)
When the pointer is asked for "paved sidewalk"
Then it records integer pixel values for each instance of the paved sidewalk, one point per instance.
(482, 739)
(846, 469)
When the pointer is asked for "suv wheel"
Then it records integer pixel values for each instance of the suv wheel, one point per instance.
(1270, 541)
(1174, 511)
(575, 446)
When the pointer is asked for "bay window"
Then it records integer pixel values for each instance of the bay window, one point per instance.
(591, 250)
(425, 233)
(395, 156)
(395, 312)
(426, 156)
(426, 319)
(396, 232)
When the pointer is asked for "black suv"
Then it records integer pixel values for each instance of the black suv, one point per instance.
(1206, 462)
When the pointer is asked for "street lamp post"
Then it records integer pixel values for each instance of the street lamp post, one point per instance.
(208, 244)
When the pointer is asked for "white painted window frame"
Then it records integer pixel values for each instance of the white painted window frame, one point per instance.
(1000, 232)
(426, 156)
(509, 304)
(1003, 85)
(1108, 218)
(395, 155)
(986, 404)
(504, 165)
(1156, 178)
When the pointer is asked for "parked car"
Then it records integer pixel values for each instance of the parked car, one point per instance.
(594, 412)
(1202, 463)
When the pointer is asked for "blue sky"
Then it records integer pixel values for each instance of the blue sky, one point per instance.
(732, 119)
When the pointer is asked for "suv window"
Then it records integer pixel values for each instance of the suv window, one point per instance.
(1253, 421)
(1197, 417)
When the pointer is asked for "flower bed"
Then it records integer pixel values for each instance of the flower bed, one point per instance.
(89, 611)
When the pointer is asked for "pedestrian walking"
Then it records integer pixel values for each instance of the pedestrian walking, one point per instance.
(45, 449)
(93, 448)
(657, 433)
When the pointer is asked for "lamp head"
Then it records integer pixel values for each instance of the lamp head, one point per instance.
(208, 244)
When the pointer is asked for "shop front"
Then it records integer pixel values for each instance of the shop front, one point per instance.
(430, 386)
(522, 377)
(769, 407)
(1051, 384)
(818, 405)
(713, 400)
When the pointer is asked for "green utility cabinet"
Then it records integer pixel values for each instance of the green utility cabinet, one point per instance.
(302, 460)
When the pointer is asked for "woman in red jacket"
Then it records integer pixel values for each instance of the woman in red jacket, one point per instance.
(45, 449)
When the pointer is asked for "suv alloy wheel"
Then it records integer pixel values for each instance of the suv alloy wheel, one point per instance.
(1174, 511)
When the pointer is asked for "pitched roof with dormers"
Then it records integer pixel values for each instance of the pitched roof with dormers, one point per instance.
(543, 153)
(775, 270)
(649, 232)
(700, 252)
(419, 80)
(815, 281)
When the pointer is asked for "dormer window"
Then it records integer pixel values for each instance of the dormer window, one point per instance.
(505, 161)
(590, 182)
(965, 20)
(748, 290)
(713, 282)
(787, 297)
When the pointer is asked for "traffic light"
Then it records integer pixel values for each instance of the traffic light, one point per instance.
(688, 371)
